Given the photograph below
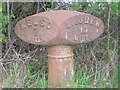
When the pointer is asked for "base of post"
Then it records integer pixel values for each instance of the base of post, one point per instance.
(60, 65)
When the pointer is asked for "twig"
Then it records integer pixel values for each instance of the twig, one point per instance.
(4, 68)
(95, 73)
(9, 48)
(38, 6)
(21, 71)
(16, 53)
(6, 60)
(8, 16)
(108, 30)
(95, 78)
(107, 70)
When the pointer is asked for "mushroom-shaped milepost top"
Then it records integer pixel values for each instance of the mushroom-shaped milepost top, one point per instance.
(59, 30)
(59, 27)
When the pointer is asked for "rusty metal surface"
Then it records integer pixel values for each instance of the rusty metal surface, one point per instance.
(61, 65)
(59, 27)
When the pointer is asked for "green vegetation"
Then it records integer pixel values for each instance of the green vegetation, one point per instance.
(96, 62)
(82, 78)
(3, 24)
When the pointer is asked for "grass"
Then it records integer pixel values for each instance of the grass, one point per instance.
(82, 78)
(96, 62)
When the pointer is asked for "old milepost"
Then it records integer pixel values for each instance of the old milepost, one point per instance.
(59, 31)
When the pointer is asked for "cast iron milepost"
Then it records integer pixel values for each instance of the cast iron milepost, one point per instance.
(59, 31)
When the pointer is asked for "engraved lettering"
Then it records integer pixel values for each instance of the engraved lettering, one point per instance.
(87, 19)
(81, 39)
(92, 21)
(23, 27)
(86, 37)
(86, 26)
(35, 23)
(76, 38)
(79, 20)
(66, 36)
(81, 29)
(35, 32)
(97, 24)
(48, 27)
(97, 30)
(29, 22)
(38, 40)
(85, 29)
(42, 22)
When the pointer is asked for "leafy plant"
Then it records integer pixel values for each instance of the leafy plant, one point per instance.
(3, 24)
(96, 61)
